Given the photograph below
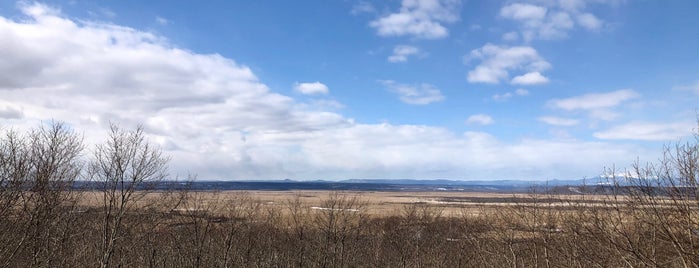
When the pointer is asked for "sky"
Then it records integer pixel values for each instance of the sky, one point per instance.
(359, 89)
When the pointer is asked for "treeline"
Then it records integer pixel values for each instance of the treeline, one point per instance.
(44, 222)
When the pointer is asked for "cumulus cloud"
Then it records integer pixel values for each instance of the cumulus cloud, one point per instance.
(480, 119)
(558, 121)
(313, 88)
(647, 131)
(401, 53)
(526, 12)
(498, 61)
(216, 119)
(550, 19)
(589, 21)
(419, 94)
(532, 78)
(419, 18)
(91, 73)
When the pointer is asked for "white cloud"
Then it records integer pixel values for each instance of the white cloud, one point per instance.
(50, 72)
(326, 104)
(401, 53)
(532, 78)
(363, 7)
(419, 18)
(161, 20)
(600, 106)
(419, 94)
(10, 112)
(556, 26)
(216, 119)
(589, 21)
(521, 92)
(395, 151)
(510, 36)
(550, 19)
(313, 88)
(647, 131)
(99, 12)
(480, 119)
(558, 121)
(572, 5)
(594, 101)
(692, 87)
(498, 61)
(507, 95)
(502, 97)
(526, 12)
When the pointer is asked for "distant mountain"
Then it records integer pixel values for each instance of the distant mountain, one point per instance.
(468, 183)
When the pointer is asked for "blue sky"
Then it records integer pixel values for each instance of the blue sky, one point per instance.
(531, 89)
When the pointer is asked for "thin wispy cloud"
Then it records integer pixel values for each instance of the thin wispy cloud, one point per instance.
(594, 101)
(599, 106)
(690, 87)
(669, 132)
(480, 119)
(507, 95)
(558, 121)
(402, 52)
(363, 7)
(162, 21)
(418, 94)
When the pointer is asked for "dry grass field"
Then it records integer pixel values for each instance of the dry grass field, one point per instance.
(45, 221)
(378, 204)
(348, 229)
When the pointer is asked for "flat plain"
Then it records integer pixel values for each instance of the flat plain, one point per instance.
(374, 203)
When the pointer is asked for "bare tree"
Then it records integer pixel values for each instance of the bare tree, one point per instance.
(37, 172)
(14, 169)
(55, 157)
(14, 173)
(339, 220)
(125, 166)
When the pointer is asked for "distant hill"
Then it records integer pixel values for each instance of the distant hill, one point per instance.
(508, 186)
